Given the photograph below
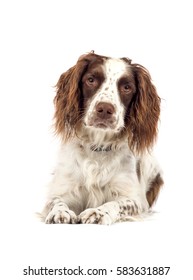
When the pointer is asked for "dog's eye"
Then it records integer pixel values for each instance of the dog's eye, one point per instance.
(126, 88)
(90, 80)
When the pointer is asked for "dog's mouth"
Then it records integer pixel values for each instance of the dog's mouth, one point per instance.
(101, 125)
(104, 125)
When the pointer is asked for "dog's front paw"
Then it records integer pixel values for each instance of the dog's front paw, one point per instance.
(94, 216)
(61, 215)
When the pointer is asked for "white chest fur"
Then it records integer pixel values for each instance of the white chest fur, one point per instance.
(88, 168)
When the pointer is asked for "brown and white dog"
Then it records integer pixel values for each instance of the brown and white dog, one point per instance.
(107, 112)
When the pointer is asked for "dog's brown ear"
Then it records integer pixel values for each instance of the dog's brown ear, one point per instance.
(68, 97)
(144, 111)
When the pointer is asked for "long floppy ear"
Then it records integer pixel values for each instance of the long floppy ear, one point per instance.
(68, 99)
(144, 111)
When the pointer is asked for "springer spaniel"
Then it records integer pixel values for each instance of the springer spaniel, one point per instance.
(107, 112)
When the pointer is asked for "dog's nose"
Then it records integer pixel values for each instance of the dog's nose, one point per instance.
(105, 110)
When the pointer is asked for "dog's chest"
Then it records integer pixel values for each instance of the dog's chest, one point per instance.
(98, 172)
(88, 168)
(101, 168)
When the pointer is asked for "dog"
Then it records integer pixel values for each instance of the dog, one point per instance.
(106, 113)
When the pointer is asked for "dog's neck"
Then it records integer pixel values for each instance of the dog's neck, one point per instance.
(100, 141)
(101, 148)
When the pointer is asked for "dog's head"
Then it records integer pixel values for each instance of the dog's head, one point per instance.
(109, 95)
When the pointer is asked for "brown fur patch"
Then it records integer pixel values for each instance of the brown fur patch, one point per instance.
(138, 170)
(154, 189)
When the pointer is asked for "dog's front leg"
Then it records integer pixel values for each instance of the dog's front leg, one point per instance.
(111, 212)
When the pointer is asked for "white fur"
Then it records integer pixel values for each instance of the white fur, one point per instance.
(88, 179)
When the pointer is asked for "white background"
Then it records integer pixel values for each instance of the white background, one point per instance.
(38, 41)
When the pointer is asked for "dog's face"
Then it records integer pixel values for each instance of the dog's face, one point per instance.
(107, 87)
(106, 94)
